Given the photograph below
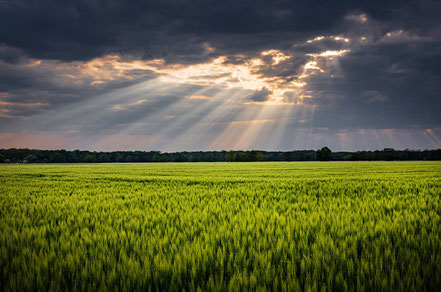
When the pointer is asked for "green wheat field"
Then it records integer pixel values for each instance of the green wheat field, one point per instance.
(288, 226)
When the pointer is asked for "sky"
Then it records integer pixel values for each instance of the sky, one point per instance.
(188, 75)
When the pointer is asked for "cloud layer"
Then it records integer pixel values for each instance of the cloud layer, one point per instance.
(195, 75)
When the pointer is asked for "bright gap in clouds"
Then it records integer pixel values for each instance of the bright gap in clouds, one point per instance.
(219, 112)
(263, 101)
(213, 105)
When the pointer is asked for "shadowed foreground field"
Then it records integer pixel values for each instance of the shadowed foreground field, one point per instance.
(218, 226)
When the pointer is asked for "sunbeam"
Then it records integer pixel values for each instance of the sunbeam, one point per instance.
(199, 134)
(265, 115)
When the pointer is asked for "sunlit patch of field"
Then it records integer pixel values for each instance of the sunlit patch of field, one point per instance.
(218, 226)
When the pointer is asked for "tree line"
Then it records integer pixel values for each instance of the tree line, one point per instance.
(14, 155)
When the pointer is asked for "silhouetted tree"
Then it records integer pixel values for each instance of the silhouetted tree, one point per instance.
(30, 158)
(89, 158)
(157, 157)
(209, 157)
(103, 158)
(259, 156)
(230, 156)
(324, 154)
(2, 158)
(193, 158)
(57, 158)
(179, 157)
(287, 156)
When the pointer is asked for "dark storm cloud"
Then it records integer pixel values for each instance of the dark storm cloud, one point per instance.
(386, 85)
(11, 55)
(80, 30)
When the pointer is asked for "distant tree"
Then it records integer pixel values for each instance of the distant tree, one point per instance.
(120, 158)
(209, 157)
(74, 156)
(324, 154)
(230, 156)
(242, 156)
(57, 158)
(157, 157)
(161, 157)
(193, 158)
(179, 157)
(434, 155)
(390, 154)
(259, 156)
(288, 156)
(165, 157)
(347, 157)
(89, 158)
(103, 158)
(30, 158)
(254, 155)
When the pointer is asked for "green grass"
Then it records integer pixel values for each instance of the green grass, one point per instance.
(217, 226)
